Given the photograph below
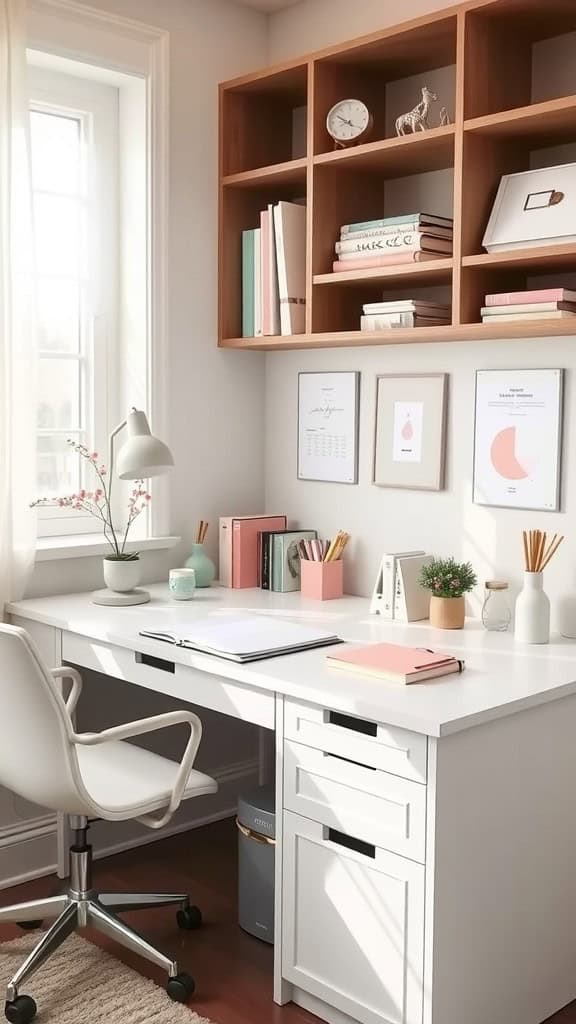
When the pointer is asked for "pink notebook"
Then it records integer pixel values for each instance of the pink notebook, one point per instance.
(394, 258)
(399, 664)
(543, 295)
(245, 561)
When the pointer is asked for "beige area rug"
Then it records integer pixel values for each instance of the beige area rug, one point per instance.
(81, 984)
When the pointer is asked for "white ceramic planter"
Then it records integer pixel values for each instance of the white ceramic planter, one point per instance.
(121, 576)
(532, 622)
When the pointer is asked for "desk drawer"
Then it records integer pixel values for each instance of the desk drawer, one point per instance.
(379, 746)
(165, 676)
(374, 806)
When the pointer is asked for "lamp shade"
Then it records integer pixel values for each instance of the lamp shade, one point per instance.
(143, 455)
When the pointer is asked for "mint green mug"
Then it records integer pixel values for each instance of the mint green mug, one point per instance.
(182, 584)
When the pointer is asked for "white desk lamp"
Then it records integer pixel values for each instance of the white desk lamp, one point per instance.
(141, 457)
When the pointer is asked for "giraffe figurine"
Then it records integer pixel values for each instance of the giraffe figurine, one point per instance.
(417, 119)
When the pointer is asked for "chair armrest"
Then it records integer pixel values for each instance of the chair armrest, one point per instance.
(138, 728)
(156, 722)
(76, 689)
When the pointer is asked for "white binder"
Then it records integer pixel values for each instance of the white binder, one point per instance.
(383, 596)
(411, 601)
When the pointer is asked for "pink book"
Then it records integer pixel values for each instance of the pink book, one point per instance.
(396, 663)
(269, 275)
(544, 295)
(394, 259)
(245, 560)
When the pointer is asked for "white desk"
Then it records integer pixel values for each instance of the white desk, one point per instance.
(426, 858)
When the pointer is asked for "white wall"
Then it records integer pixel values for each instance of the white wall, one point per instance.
(380, 519)
(213, 395)
(313, 24)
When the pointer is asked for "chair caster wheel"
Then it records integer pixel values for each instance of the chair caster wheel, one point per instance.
(179, 988)
(29, 926)
(21, 1010)
(189, 918)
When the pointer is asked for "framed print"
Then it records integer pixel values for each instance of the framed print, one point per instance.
(328, 407)
(518, 438)
(533, 208)
(410, 441)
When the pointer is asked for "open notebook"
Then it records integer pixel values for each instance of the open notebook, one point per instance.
(243, 638)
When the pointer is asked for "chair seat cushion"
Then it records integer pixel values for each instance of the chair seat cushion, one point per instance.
(126, 781)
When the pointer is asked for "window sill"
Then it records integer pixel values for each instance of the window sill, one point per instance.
(89, 545)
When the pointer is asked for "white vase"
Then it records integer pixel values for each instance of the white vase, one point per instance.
(121, 576)
(532, 622)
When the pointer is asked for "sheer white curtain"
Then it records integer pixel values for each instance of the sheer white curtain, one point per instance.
(18, 364)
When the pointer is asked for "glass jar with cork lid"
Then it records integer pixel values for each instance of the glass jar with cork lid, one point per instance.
(496, 611)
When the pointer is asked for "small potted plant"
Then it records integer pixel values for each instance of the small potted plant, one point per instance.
(121, 567)
(447, 582)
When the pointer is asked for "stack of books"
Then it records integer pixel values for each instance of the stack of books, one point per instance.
(280, 557)
(379, 316)
(546, 304)
(274, 273)
(411, 238)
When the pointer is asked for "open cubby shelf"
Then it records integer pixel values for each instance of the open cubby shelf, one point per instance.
(504, 70)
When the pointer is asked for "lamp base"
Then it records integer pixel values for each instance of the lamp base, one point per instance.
(115, 599)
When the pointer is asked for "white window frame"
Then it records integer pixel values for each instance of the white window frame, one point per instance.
(95, 106)
(72, 31)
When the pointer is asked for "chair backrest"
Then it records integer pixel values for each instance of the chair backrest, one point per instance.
(37, 755)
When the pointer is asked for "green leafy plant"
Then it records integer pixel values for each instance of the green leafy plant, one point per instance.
(445, 577)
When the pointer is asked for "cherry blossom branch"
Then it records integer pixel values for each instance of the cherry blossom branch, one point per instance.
(97, 503)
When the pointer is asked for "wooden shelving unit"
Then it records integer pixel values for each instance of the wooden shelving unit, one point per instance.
(274, 145)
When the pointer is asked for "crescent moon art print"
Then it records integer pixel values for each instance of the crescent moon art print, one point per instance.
(517, 450)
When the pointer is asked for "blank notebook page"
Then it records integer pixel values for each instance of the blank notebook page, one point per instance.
(243, 635)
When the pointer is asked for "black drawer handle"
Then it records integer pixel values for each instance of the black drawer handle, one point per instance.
(355, 724)
(358, 845)
(348, 760)
(152, 662)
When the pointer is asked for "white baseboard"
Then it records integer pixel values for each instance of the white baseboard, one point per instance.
(28, 849)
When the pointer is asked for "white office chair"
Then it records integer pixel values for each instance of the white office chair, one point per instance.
(86, 776)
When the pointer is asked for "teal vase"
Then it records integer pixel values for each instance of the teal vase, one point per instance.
(203, 566)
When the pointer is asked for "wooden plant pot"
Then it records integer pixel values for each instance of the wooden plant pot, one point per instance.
(447, 612)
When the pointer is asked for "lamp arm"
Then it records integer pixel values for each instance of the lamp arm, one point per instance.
(114, 433)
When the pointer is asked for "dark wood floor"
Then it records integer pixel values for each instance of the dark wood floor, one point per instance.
(233, 971)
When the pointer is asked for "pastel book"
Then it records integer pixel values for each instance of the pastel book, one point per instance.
(529, 297)
(290, 234)
(239, 550)
(395, 663)
(285, 560)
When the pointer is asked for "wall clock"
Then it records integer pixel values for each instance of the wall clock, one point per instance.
(349, 122)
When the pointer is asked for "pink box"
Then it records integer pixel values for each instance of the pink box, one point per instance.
(322, 581)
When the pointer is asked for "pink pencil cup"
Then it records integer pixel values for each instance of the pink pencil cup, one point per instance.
(322, 581)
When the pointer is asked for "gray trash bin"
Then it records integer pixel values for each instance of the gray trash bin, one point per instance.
(256, 841)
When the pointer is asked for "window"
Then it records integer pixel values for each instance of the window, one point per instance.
(74, 145)
(89, 167)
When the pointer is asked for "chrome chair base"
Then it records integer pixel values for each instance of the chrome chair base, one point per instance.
(81, 906)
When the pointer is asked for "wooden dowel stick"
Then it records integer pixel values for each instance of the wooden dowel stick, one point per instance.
(553, 552)
(549, 548)
(541, 547)
(526, 555)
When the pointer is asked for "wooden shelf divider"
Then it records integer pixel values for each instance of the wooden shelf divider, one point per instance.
(274, 145)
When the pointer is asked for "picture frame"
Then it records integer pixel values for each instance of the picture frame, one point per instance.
(328, 426)
(518, 428)
(533, 208)
(410, 431)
